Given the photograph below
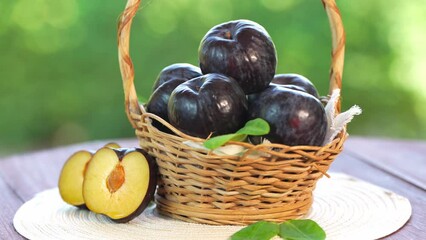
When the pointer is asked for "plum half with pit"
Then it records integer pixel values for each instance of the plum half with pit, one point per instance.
(295, 117)
(211, 104)
(120, 183)
(296, 82)
(240, 49)
(168, 79)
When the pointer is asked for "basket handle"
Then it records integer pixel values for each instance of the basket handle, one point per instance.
(338, 38)
(131, 101)
(132, 105)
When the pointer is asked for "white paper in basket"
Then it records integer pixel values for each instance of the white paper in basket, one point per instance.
(336, 123)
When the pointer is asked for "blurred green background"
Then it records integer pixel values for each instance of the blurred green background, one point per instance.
(60, 81)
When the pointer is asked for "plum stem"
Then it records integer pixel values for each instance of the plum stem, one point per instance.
(228, 35)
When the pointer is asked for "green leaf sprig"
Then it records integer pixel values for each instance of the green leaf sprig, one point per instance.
(305, 229)
(255, 127)
(261, 230)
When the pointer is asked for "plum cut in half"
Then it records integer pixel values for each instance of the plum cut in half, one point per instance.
(112, 145)
(72, 176)
(120, 183)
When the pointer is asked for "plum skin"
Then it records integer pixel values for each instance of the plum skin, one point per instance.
(297, 82)
(240, 49)
(210, 104)
(176, 71)
(295, 117)
(157, 103)
(167, 80)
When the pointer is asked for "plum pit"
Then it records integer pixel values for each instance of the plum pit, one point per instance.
(116, 178)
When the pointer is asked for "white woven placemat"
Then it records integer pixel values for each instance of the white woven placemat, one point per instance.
(345, 207)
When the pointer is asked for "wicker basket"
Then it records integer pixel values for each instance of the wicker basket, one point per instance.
(199, 186)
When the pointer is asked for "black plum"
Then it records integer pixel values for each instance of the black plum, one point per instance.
(241, 49)
(296, 82)
(168, 79)
(295, 117)
(157, 103)
(177, 71)
(212, 103)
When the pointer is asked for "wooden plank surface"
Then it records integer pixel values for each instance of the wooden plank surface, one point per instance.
(10, 203)
(22, 176)
(31, 173)
(402, 158)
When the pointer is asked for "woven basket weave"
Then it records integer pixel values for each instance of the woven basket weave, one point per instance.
(199, 186)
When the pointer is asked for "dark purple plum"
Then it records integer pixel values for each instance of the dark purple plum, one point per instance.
(212, 103)
(252, 96)
(157, 103)
(168, 79)
(296, 82)
(181, 71)
(241, 49)
(295, 117)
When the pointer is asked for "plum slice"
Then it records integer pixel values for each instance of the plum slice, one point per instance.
(72, 177)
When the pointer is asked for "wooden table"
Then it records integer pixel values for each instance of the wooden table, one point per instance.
(397, 165)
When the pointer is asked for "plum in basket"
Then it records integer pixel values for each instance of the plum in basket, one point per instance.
(212, 103)
(295, 117)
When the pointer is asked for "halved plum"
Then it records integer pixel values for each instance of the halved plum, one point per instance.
(120, 183)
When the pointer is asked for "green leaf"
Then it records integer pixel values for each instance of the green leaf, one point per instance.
(218, 141)
(257, 231)
(301, 230)
(255, 127)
